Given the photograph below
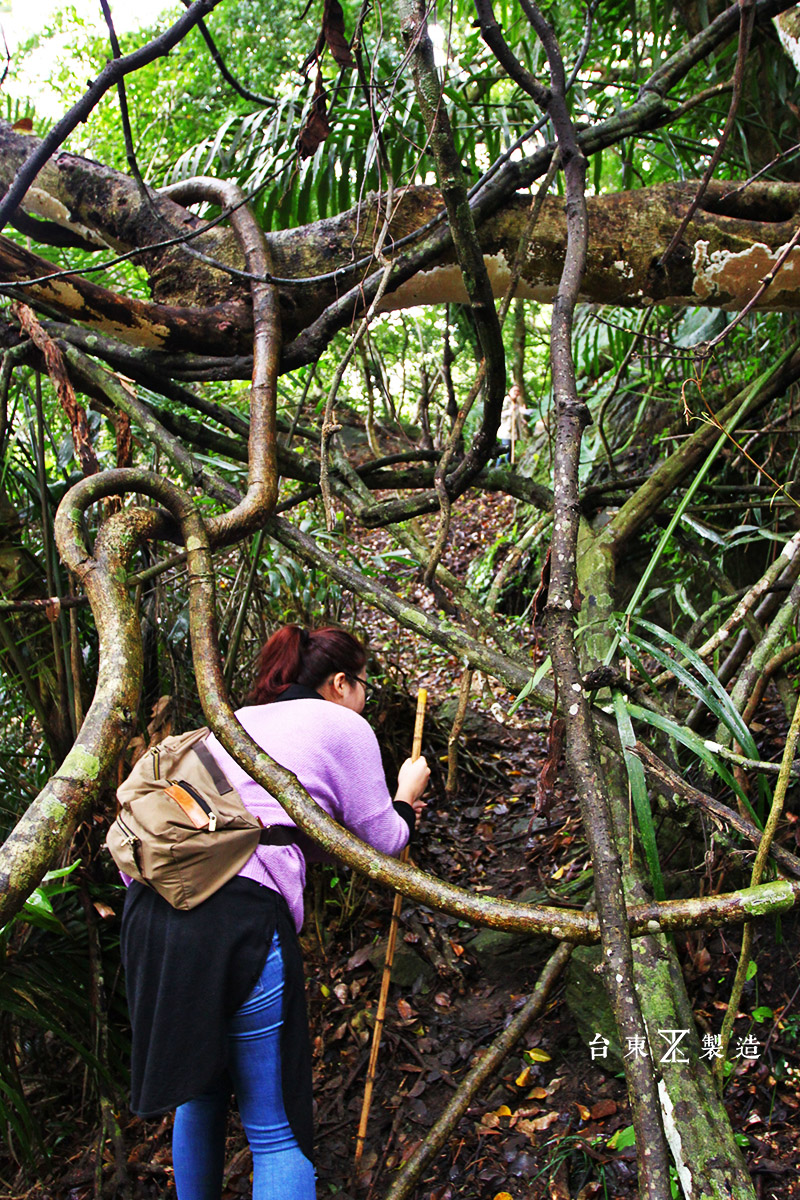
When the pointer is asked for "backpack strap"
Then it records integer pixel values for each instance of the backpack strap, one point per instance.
(272, 835)
(220, 779)
(280, 835)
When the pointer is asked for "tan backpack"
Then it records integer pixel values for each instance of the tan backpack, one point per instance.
(182, 827)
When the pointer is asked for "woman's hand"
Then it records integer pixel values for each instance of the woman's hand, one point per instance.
(412, 779)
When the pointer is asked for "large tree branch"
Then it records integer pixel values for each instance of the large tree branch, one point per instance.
(111, 74)
(262, 476)
(175, 328)
(728, 247)
(93, 213)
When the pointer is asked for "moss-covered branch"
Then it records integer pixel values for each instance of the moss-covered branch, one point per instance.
(42, 833)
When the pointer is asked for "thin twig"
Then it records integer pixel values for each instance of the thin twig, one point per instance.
(329, 426)
(489, 1062)
(227, 75)
(771, 826)
(745, 604)
(582, 759)
(454, 440)
(386, 977)
(130, 152)
(108, 77)
(637, 337)
(776, 663)
(672, 784)
(747, 15)
(455, 733)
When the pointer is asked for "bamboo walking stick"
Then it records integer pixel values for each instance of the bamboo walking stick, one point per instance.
(386, 979)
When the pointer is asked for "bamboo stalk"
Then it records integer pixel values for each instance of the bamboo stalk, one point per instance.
(419, 724)
(386, 978)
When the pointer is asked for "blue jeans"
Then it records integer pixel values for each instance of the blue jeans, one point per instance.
(280, 1169)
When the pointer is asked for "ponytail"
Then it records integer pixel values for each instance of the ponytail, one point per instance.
(295, 654)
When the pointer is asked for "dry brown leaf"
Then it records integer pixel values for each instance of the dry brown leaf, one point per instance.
(136, 748)
(160, 726)
(122, 426)
(701, 960)
(539, 1124)
(525, 1126)
(333, 32)
(603, 1108)
(359, 958)
(528, 1110)
(317, 126)
(59, 377)
(540, 595)
(410, 1148)
(405, 1010)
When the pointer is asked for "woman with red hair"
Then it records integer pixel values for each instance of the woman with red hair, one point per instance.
(216, 993)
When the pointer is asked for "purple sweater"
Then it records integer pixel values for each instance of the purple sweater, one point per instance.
(335, 755)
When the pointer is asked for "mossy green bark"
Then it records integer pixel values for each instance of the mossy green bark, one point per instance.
(44, 830)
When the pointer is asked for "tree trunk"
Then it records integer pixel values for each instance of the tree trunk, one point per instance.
(709, 1162)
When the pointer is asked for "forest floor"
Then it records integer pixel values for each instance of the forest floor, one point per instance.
(551, 1125)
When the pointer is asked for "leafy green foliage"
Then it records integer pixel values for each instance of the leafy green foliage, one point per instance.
(638, 787)
(641, 391)
(46, 1009)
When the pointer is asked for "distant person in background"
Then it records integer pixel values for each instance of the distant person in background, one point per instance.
(512, 425)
